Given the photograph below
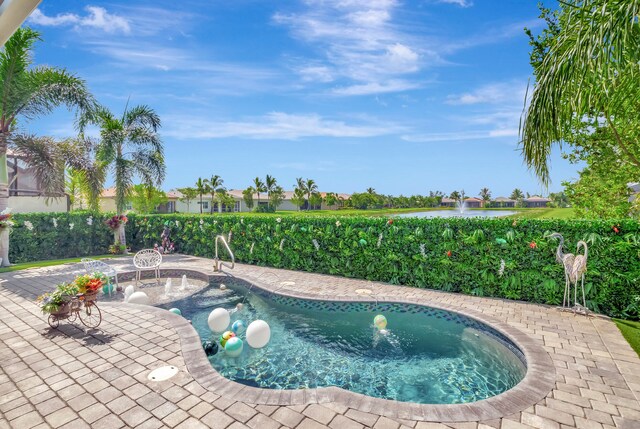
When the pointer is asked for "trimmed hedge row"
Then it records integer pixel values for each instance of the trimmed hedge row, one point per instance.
(483, 257)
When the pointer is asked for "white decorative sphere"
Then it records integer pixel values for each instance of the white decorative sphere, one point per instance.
(258, 334)
(138, 298)
(128, 291)
(218, 320)
(223, 286)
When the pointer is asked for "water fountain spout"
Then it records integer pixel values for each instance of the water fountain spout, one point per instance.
(167, 287)
(462, 206)
(185, 283)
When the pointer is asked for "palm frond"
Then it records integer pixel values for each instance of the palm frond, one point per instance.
(45, 160)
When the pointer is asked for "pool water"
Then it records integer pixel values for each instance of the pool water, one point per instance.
(426, 355)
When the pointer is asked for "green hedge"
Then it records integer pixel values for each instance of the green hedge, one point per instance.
(37, 237)
(408, 251)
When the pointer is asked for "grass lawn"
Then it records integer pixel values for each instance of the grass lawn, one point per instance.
(631, 332)
(567, 213)
(49, 263)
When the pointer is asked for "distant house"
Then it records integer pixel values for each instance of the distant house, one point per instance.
(448, 202)
(536, 202)
(634, 191)
(474, 203)
(108, 201)
(25, 193)
(503, 202)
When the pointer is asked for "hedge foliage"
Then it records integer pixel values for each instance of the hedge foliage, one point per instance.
(483, 257)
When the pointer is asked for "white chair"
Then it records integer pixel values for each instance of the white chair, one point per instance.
(147, 259)
(93, 266)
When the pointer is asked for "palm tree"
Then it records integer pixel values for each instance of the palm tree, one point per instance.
(455, 195)
(28, 93)
(259, 187)
(201, 188)
(215, 185)
(270, 184)
(517, 194)
(485, 194)
(310, 187)
(370, 191)
(586, 68)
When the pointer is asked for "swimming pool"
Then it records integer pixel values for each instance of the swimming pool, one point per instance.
(427, 355)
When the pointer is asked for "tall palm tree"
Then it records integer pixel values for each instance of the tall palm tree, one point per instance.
(130, 146)
(517, 194)
(201, 188)
(259, 186)
(215, 185)
(371, 191)
(455, 195)
(310, 188)
(270, 185)
(485, 194)
(28, 93)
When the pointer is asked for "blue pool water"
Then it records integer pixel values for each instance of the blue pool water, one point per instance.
(427, 356)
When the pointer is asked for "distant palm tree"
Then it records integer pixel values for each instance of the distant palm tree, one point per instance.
(259, 186)
(371, 191)
(310, 188)
(485, 194)
(201, 188)
(29, 93)
(517, 194)
(215, 185)
(455, 195)
(270, 185)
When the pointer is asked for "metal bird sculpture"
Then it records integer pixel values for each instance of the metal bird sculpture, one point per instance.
(567, 261)
(577, 274)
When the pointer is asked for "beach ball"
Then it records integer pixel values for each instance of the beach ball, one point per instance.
(223, 286)
(138, 298)
(258, 334)
(128, 291)
(380, 321)
(176, 311)
(238, 326)
(226, 337)
(218, 320)
(107, 289)
(233, 347)
(210, 348)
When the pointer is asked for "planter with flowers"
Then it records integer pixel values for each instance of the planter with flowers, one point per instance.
(117, 223)
(58, 302)
(88, 285)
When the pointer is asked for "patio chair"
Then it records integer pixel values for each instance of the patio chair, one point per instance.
(93, 266)
(147, 259)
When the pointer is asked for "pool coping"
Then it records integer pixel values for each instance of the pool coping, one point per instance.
(538, 382)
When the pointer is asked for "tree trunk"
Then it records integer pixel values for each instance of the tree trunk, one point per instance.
(4, 200)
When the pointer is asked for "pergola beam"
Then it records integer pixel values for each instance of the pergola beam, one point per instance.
(12, 14)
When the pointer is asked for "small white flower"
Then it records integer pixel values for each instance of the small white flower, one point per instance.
(379, 239)
(55, 222)
(338, 223)
(316, 244)
(251, 250)
(177, 224)
(28, 225)
(422, 252)
(71, 225)
(90, 220)
(281, 244)
(215, 222)
(201, 222)
(5, 211)
(502, 267)
(229, 237)
(242, 220)
(278, 220)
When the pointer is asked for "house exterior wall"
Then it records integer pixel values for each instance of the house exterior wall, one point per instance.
(107, 205)
(38, 204)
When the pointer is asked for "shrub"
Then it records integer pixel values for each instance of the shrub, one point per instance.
(482, 257)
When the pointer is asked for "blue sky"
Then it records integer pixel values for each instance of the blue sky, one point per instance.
(402, 96)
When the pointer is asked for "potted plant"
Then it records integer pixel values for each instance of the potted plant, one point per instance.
(57, 302)
(89, 285)
(117, 223)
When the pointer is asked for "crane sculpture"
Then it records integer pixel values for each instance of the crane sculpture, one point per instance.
(574, 269)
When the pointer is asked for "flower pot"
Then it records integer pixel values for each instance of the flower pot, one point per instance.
(62, 310)
(90, 296)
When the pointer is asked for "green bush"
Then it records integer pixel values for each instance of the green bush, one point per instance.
(455, 254)
(37, 237)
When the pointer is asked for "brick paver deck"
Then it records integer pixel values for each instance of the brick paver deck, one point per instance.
(70, 378)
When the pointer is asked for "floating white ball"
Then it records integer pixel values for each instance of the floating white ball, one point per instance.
(128, 291)
(258, 334)
(218, 320)
(138, 298)
(233, 347)
(223, 286)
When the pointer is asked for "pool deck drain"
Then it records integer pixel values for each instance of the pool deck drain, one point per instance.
(69, 378)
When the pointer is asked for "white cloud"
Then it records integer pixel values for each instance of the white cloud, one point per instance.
(96, 17)
(460, 135)
(461, 3)
(359, 44)
(274, 125)
(493, 93)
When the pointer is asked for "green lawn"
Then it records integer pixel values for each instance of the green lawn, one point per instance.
(631, 332)
(49, 263)
(567, 213)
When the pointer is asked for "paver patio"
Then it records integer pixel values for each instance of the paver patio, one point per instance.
(68, 378)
